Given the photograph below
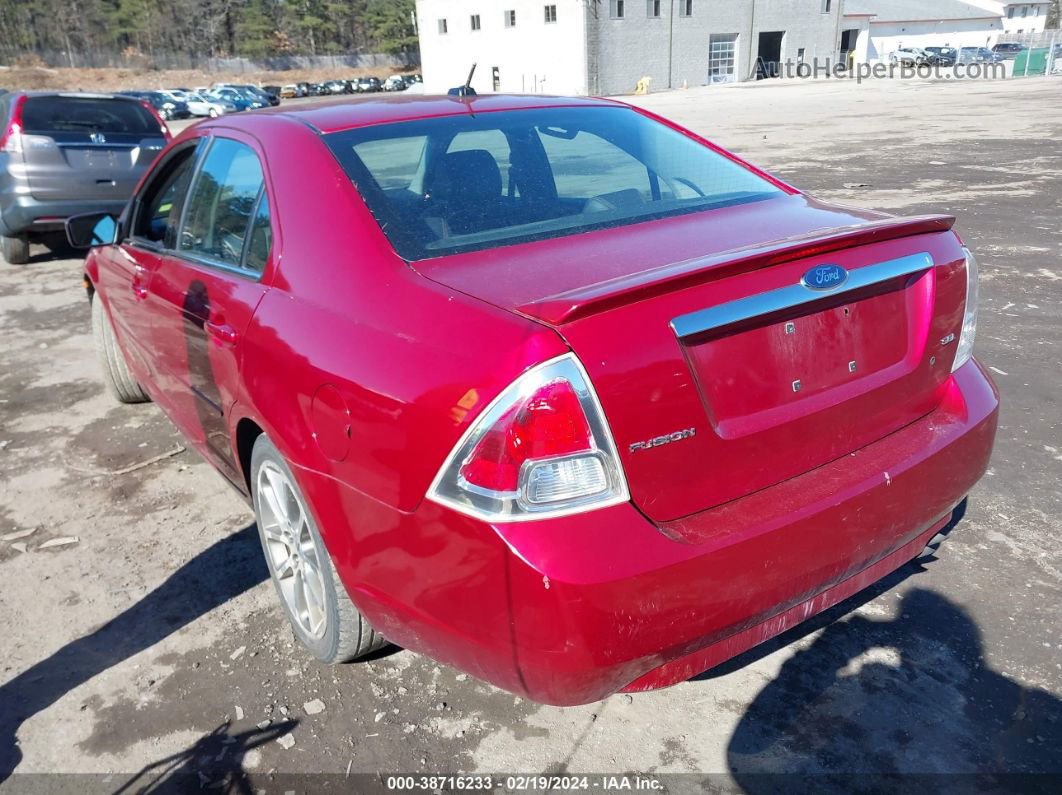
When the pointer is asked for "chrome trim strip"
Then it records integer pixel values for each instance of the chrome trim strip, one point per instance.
(795, 295)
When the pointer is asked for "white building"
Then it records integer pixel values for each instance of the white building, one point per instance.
(886, 25)
(1017, 17)
(605, 47)
(520, 46)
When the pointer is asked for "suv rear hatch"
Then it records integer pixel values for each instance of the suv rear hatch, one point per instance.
(78, 146)
(720, 373)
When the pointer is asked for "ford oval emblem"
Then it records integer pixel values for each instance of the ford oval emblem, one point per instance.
(824, 277)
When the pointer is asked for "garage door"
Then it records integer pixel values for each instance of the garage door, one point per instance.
(722, 53)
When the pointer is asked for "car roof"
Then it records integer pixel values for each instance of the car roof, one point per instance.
(334, 115)
(75, 94)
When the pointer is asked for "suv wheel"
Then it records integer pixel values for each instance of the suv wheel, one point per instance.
(315, 601)
(15, 249)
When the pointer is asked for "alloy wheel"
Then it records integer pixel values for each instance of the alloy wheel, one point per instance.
(291, 549)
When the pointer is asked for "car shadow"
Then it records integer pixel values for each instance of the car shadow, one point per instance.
(882, 704)
(223, 571)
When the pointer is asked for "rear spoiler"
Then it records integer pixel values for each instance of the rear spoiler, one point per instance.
(583, 301)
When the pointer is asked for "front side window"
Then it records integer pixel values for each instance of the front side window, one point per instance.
(221, 203)
(468, 182)
(159, 210)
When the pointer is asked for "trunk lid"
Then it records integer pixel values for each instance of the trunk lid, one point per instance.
(86, 147)
(719, 372)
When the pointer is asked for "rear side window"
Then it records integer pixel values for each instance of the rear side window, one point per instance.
(47, 115)
(261, 239)
(222, 202)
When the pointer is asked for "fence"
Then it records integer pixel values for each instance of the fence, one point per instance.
(1042, 54)
(186, 61)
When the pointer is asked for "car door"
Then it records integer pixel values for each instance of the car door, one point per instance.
(126, 270)
(208, 288)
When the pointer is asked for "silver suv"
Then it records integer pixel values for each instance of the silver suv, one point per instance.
(65, 154)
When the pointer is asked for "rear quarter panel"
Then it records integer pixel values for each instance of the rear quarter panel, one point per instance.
(399, 365)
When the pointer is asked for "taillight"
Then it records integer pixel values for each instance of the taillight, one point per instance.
(541, 449)
(162, 124)
(964, 350)
(11, 140)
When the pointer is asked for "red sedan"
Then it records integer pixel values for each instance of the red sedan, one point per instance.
(549, 389)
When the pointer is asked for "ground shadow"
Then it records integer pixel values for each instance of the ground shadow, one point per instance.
(903, 702)
(214, 762)
(219, 573)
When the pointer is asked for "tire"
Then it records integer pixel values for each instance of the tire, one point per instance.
(213, 113)
(330, 626)
(116, 376)
(16, 250)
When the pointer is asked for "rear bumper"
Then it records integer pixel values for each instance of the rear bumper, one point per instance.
(22, 214)
(569, 611)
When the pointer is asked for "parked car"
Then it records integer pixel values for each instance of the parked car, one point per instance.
(273, 92)
(241, 100)
(200, 104)
(258, 97)
(395, 83)
(1009, 50)
(969, 55)
(913, 56)
(305, 89)
(167, 107)
(942, 56)
(742, 406)
(364, 85)
(337, 87)
(290, 91)
(65, 154)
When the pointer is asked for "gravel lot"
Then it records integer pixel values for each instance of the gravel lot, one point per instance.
(153, 648)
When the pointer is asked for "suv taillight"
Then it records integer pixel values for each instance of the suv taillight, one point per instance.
(11, 140)
(542, 449)
(162, 124)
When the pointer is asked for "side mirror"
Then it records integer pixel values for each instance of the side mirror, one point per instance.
(91, 229)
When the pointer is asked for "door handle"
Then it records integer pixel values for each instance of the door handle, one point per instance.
(222, 333)
(139, 290)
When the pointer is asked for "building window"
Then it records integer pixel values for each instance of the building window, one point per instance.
(1025, 11)
(551, 13)
(826, 6)
(1010, 13)
(475, 22)
(616, 9)
(685, 8)
(652, 9)
(442, 26)
(510, 19)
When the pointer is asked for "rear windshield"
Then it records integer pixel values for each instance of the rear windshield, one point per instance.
(44, 115)
(461, 183)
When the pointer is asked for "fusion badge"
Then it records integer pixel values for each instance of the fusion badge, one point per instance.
(660, 441)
